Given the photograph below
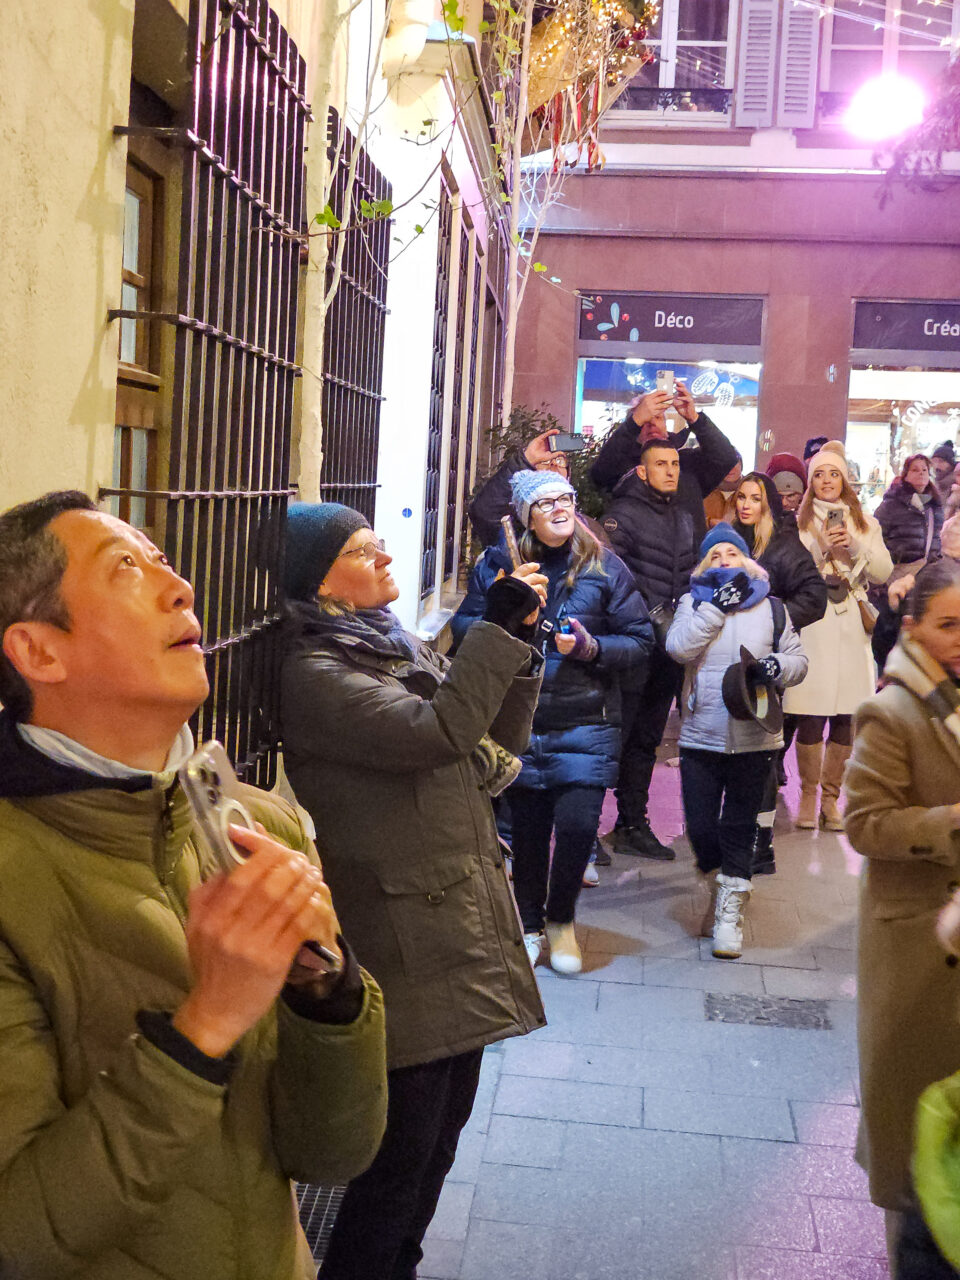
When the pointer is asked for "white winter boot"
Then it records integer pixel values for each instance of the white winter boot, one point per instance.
(707, 884)
(732, 895)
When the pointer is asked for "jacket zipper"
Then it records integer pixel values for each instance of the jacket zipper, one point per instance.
(164, 865)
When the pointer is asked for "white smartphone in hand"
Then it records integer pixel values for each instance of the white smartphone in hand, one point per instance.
(666, 382)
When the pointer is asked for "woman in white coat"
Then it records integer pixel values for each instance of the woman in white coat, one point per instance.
(848, 548)
(725, 761)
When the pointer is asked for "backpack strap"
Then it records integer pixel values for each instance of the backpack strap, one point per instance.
(779, 621)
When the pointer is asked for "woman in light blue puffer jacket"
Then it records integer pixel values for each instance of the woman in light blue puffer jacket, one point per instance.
(724, 762)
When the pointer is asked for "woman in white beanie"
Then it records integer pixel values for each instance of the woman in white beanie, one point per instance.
(848, 548)
(595, 631)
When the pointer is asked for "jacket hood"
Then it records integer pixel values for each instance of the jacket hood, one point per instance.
(26, 772)
(905, 493)
(631, 486)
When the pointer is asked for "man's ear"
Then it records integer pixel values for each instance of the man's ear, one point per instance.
(34, 649)
(642, 471)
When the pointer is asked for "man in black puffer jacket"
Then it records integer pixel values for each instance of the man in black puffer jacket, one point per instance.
(656, 535)
(701, 469)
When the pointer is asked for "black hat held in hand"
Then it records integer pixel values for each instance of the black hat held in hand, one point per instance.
(747, 695)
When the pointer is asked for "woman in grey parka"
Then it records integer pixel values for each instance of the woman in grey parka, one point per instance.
(391, 749)
(725, 762)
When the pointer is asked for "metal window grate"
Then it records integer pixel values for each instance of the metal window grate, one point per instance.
(456, 397)
(234, 358)
(318, 1208)
(353, 334)
(471, 397)
(431, 506)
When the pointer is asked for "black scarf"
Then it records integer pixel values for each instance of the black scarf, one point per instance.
(378, 629)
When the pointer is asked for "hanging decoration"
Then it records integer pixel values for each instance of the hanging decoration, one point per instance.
(583, 53)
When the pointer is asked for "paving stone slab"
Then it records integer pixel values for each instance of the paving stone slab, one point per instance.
(570, 1100)
(785, 956)
(521, 1140)
(508, 1251)
(822, 984)
(622, 1001)
(452, 1218)
(725, 1114)
(792, 1168)
(825, 1124)
(544, 1197)
(849, 1226)
(659, 972)
(441, 1259)
(780, 1264)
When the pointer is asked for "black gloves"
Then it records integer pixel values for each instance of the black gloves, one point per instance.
(732, 594)
(509, 601)
(766, 670)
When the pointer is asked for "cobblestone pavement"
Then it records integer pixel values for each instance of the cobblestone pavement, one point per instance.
(637, 1138)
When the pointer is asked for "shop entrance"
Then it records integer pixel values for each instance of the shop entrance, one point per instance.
(904, 395)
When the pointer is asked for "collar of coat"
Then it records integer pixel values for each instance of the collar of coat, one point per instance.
(912, 667)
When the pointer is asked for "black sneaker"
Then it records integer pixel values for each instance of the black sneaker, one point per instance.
(640, 842)
(781, 773)
(602, 858)
(763, 860)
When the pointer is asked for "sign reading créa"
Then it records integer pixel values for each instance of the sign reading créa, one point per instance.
(694, 319)
(907, 326)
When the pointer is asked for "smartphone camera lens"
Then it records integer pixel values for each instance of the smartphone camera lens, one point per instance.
(214, 778)
(213, 795)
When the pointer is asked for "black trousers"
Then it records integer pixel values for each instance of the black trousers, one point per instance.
(573, 814)
(645, 715)
(722, 795)
(386, 1211)
(918, 1257)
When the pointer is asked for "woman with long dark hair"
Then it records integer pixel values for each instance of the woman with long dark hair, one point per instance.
(848, 549)
(594, 628)
(755, 511)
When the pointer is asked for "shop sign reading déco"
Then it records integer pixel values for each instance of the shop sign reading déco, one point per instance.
(907, 326)
(670, 317)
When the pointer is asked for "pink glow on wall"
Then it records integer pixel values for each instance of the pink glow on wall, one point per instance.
(885, 107)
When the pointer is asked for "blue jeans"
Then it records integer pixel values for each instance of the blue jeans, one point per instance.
(722, 795)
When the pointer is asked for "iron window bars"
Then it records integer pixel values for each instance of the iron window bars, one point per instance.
(235, 358)
(353, 333)
(431, 505)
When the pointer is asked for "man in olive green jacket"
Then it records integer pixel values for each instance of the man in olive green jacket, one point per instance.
(169, 1054)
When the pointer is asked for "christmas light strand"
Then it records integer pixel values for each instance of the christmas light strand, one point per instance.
(847, 15)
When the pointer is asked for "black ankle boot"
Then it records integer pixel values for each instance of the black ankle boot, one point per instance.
(763, 861)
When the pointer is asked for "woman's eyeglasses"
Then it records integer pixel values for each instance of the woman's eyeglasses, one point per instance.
(564, 501)
(369, 550)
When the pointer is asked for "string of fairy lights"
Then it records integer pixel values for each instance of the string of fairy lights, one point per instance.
(605, 34)
(879, 16)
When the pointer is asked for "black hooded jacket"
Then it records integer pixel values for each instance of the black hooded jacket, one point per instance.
(701, 469)
(794, 577)
(656, 536)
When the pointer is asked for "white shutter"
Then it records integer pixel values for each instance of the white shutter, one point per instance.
(756, 64)
(799, 48)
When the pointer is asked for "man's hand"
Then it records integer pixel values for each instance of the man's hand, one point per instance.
(244, 932)
(683, 403)
(653, 405)
(539, 452)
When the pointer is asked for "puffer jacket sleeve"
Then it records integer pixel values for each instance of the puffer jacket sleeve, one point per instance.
(793, 660)
(492, 500)
(693, 630)
(880, 820)
(334, 710)
(795, 578)
(630, 637)
(77, 1181)
(715, 458)
(328, 1092)
(619, 453)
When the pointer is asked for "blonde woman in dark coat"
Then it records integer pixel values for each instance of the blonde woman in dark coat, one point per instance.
(903, 814)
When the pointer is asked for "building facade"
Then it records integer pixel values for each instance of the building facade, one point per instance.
(740, 227)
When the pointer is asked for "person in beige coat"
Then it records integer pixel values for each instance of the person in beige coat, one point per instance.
(903, 814)
(848, 549)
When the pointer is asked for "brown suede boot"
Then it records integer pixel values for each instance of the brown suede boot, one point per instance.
(809, 762)
(834, 758)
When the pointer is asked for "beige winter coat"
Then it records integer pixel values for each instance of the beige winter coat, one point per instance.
(902, 779)
(842, 672)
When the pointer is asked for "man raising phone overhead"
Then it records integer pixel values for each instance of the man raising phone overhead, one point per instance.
(169, 1055)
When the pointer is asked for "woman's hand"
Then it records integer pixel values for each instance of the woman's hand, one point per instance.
(577, 643)
(531, 575)
(898, 591)
(838, 538)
